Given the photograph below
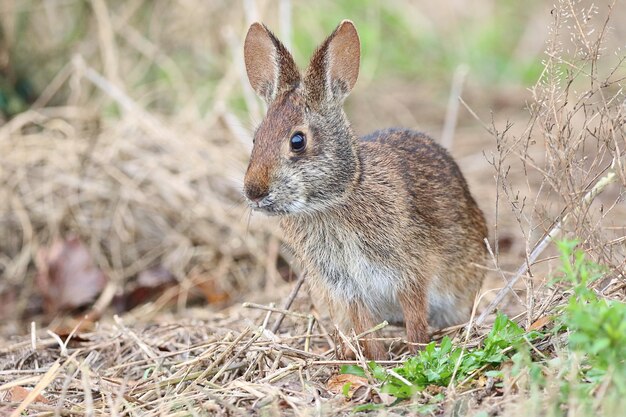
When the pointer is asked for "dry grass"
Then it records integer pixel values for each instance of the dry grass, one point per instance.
(142, 158)
(202, 363)
(141, 189)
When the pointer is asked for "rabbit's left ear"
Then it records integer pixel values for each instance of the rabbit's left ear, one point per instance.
(334, 67)
(270, 67)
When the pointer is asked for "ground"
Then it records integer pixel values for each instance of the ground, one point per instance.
(135, 281)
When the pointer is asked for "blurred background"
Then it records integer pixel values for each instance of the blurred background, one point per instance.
(126, 128)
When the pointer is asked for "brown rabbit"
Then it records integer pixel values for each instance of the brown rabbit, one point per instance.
(384, 225)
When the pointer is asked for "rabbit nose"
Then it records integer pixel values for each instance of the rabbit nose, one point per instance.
(256, 193)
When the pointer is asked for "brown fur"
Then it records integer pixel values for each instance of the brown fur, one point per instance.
(384, 225)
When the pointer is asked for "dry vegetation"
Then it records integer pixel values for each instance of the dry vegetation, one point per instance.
(126, 167)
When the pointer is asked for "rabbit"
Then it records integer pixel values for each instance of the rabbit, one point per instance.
(384, 225)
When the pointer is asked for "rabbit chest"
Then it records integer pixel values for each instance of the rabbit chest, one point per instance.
(349, 268)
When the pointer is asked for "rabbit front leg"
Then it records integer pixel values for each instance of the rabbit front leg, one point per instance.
(355, 316)
(414, 303)
(362, 320)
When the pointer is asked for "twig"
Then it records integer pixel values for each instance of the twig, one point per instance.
(468, 331)
(106, 37)
(245, 348)
(495, 263)
(253, 365)
(43, 383)
(376, 328)
(221, 357)
(276, 363)
(309, 330)
(279, 374)
(597, 189)
(339, 362)
(289, 301)
(275, 310)
(187, 377)
(46, 409)
(147, 120)
(399, 377)
(126, 331)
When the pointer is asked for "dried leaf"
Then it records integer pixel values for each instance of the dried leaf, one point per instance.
(150, 284)
(540, 322)
(67, 277)
(19, 394)
(67, 325)
(337, 383)
(480, 382)
(387, 399)
(210, 289)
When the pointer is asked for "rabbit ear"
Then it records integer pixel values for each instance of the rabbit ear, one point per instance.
(271, 68)
(334, 68)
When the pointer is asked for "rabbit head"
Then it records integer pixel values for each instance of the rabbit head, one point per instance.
(304, 157)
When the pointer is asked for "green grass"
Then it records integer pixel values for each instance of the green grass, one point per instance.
(596, 327)
(587, 374)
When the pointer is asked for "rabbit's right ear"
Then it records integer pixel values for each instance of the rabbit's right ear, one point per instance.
(271, 68)
(334, 66)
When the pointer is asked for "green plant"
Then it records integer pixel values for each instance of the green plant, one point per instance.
(586, 376)
(436, 364)
(596, 326)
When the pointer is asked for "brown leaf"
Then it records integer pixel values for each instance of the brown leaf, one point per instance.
(336, 383)
(66, 325)
(18, 394)
(364, 394)
(67, 277)
(210, 289)
(480, 382)
(540, 322)
(386, 399)
(435, 389)
(150, 284)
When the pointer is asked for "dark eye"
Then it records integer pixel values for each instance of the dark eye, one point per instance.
(297, 142)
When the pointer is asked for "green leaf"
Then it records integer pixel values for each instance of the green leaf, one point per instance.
(352, 370)
(378, 371)
(345, 390)
(599, 345)
(494, 374)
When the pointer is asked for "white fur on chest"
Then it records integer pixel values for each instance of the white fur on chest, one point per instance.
(342, 266)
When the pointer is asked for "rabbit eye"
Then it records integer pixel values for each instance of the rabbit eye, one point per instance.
(297, 142)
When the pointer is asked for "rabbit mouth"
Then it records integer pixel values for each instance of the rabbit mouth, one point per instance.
(267, 206)
(272, 208)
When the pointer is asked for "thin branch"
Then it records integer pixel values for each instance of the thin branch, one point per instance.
(288, 302)
(609, 178)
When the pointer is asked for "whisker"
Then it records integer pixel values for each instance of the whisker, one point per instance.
(239, 201)
(248, 224)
